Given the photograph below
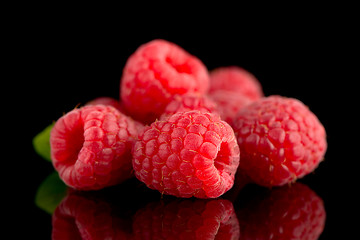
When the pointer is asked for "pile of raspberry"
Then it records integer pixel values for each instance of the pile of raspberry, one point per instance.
(185, 131)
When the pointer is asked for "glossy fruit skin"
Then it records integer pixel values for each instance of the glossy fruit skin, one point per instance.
(91, 147)
(280, 140)
(156, 72)
(188, 154)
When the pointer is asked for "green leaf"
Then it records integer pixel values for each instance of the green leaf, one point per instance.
(41, 142)
(50, 193)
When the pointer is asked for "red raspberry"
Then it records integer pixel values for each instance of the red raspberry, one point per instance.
(108, 101)
(232, 88)
(188, 103)
(235, 79)
(229, 103)
(188, 154)
(154, 73)
(280, 140)
(294, 212)
(199, 219)
(84, 217)
(91, 147)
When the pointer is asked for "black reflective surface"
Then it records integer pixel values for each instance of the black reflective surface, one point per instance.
(132, 211)
(68, 65)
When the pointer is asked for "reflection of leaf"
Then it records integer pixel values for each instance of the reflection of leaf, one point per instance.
(50, 193)
(41, 142)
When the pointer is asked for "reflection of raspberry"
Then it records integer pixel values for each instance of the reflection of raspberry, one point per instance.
(188, 154)
(91, 147)
(187, 219)
(154, 73)
(81, 217)
(190, 102)
(280, 140)
(294, 212)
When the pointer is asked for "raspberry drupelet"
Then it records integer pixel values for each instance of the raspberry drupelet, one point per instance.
(91, 147)
(188, 154)
(156, 72)
(280, 140)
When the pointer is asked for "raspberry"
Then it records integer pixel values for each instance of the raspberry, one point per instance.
(154, 73)
(229, 103)
(294, 212)
(280, 140)
(91, 147)
(108, 101)
(235, 79)
(232, 88)
(188, 154)
(185, 219)
(84, 217)
(190, 102)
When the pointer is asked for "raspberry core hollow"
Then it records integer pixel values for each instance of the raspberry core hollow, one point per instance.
(91, 147)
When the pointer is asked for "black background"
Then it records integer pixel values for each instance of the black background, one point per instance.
(59, 66)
